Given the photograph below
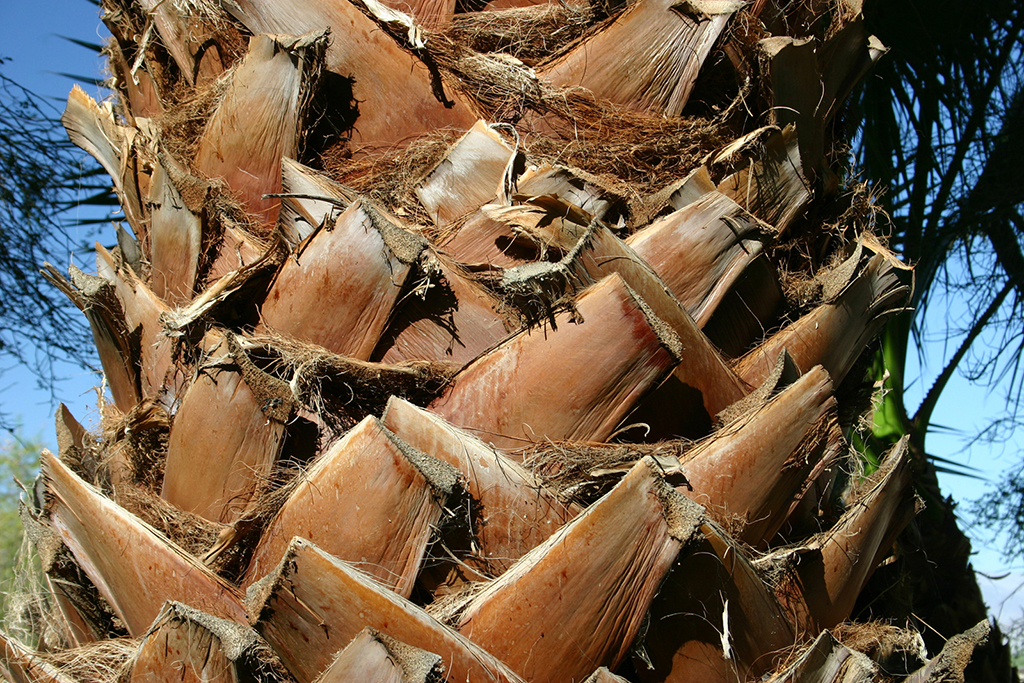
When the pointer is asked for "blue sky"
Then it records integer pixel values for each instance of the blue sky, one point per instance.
(29, 36)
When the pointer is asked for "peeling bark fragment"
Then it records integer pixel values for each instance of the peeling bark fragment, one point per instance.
(830, 571)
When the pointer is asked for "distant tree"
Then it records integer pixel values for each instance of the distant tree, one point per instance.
(19, 462)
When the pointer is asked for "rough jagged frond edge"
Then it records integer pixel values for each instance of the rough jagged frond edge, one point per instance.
(537, 291)
(782, 375)
(529, 34)
(318, 377)
(104, 661)
(441, 476)
(191, 532)
(141, 437)
(417, 665)
(565, 467)
(405, 245)
(276, 397)
(956, 654)
(878, 639)
(239, 643)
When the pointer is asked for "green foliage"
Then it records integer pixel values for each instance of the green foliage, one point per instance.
(943, 132)
(19, 462)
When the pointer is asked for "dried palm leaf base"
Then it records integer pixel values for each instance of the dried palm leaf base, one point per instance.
(827, 574)
(339, 288)
(809, 82)
(118, 352)
(111, 545)
(314, 605)
(646, 59)
(493, 238)
(858, 302)
(597, 575)
(190, 38)
(373, 657)
(235, 251)
(714, 618)
(77, 629)
(471, 175)
(599, 360)
(827, 661)
(700, 250)
(175, 238)
(395, 91)
(773, 188)
(749, 308)
(94, 129)
(576, 187)
(511, 513)
(371, 500)
(142, 316)
(755, 468)
(140, 94)
(235, 447)
(185, 645)
(701, 385)
(259, 120)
